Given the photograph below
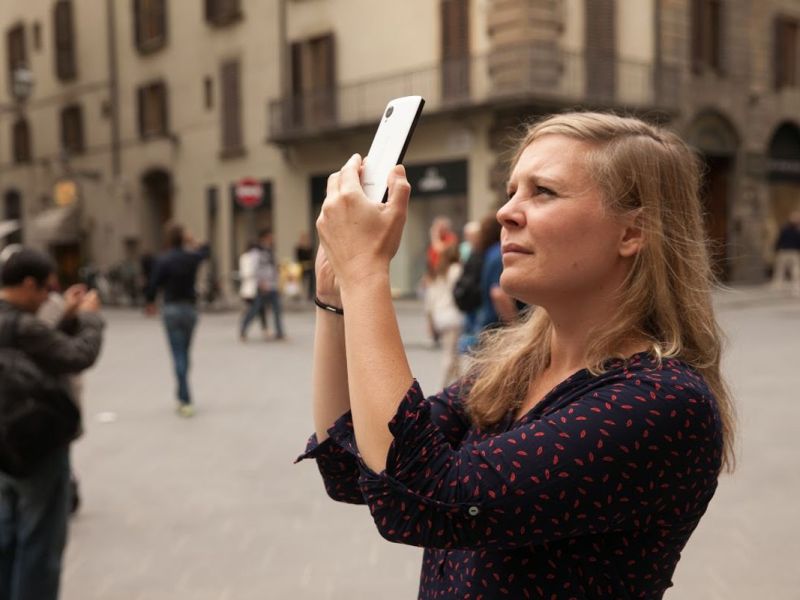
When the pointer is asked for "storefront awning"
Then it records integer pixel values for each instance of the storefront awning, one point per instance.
(60, 225)
(8, 227)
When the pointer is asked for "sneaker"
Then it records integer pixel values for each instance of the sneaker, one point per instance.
(185, 410)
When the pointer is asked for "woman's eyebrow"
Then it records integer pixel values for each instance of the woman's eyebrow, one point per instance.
(544, 180)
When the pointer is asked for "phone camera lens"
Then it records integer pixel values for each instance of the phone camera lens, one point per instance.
(389, 111)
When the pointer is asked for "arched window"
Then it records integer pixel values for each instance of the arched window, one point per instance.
(21, 139)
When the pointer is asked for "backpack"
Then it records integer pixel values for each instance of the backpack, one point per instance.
(467, 290)
(37, 412)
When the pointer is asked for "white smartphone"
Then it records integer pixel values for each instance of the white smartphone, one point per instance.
(389, 144)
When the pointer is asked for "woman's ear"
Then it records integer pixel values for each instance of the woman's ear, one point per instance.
(632, 240)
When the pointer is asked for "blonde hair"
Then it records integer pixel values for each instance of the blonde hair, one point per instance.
(666, 297)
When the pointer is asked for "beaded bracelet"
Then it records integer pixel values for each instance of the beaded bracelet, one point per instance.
(328, 307)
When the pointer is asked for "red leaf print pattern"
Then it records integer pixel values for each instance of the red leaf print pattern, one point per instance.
(609, 474)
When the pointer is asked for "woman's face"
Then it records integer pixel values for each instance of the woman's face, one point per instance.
(559, 242)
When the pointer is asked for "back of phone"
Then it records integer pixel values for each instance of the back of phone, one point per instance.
(389, 144)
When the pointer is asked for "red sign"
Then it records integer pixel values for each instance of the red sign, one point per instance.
(249, 192)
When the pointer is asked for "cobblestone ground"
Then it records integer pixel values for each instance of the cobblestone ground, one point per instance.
(212, 508)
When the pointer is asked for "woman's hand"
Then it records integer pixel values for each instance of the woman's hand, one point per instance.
(359, 236)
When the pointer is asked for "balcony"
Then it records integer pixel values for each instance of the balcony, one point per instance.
(517, 76)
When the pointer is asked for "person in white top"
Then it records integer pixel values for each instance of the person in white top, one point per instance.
(441, 307)
(248, 286)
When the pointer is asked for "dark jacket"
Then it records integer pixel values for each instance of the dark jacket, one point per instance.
(789, 238)
(70, 348)
(175, 272)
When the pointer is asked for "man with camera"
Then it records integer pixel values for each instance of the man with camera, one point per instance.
(38, 420)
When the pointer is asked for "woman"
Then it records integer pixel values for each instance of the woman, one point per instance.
(579, 454)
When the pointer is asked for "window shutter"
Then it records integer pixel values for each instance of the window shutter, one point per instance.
(22, 141)
(140, 110)
(137, 23)
(601, 44)
(64, 46)
(327, 108)
(295, 115)
(455, 47)
(232, 142)
(161, 16)
(164, 107)
(697, 35)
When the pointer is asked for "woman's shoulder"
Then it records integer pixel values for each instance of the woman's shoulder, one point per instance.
(652, 382)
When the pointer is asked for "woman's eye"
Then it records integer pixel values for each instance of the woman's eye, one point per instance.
(541, 190)
(510, 194)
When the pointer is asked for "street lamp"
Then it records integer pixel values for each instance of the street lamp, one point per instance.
(22, 84)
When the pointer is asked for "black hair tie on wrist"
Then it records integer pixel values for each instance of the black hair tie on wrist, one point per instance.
(328, 307)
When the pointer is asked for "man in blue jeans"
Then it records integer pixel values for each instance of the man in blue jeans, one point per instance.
(175, 273)
(34, 508)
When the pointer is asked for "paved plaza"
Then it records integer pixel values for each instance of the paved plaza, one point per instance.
(212, 508)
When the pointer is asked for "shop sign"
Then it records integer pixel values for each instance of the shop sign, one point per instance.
(65, 192)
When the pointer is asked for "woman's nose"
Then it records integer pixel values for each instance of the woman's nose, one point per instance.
(509, 215)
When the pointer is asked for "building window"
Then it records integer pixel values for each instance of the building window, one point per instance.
(150, 24)
(152, 110)
(64, 45)
(455, 48)
(313, 72)
(37, 36)
(223, 12)
(231, 109)
(787, 52)
(21, 139)
(707, 36)
(208, 93)
(72, 130)
(17, 51)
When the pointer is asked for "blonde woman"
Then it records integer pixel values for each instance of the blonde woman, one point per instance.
(580, 453)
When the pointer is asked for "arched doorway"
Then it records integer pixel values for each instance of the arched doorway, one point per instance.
(157, 192)
(783, 172)
(713, 135)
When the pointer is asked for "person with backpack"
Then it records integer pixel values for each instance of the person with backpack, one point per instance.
(38, 420)
(477, 292)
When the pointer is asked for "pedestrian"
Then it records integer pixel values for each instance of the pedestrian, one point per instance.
(471, 234)
(578, 455)
(268, 294)
(447, 319)
(787, 256)
(175, 273)
(35, 501)
(441, 237)
(248, 286)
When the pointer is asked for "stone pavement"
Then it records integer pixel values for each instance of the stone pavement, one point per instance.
(212, 508)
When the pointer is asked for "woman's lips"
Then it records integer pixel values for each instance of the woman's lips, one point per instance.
(514, 249)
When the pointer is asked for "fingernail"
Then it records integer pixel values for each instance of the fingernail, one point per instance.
(355, 156)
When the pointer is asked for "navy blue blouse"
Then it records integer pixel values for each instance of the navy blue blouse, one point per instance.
(591, 494)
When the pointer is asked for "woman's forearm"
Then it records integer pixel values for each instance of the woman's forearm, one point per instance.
(329, 373)
(378, 371)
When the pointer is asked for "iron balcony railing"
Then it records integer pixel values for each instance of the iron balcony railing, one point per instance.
(518, 75)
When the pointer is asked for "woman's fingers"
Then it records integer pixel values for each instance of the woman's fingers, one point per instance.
(399, 189)
(333, 184)
(350, 182)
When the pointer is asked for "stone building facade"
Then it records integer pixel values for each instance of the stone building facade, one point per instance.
(147, 110)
